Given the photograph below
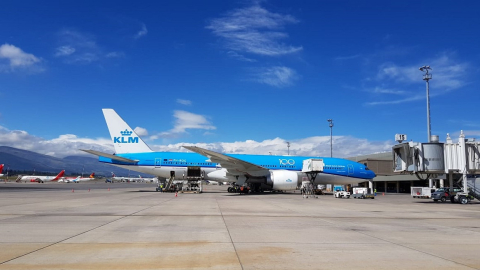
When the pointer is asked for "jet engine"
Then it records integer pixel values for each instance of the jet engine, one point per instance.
(283, 180)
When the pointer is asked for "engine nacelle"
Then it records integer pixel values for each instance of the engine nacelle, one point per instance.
(222, 176)
(283, 180)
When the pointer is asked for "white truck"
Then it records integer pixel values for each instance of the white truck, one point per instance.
(341, 194)
(421, 192)
(362, 193)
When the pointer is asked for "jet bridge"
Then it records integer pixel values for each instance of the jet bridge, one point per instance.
(429, 160)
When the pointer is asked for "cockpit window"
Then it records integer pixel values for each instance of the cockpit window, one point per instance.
(366, 168)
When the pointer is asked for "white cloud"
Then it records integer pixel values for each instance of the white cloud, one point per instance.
(447, 75)
(343, 146)
(68, 144)
(78, 48)
(381, 90)
(64, 50)
(18, 59)
(396, 101)
(340, 58)
(81, 48)
(239, 57)
(254, 30)
(142, 32)
(276, 76)
(64, 145)
(115, 55)
(141, 131)
(184, 101)
(183, 121)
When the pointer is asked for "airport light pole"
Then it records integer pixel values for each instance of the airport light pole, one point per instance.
(330, 121)
(426, 77)
(288, 146)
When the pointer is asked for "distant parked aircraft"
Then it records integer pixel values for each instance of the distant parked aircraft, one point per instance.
(40, 178)
(77, 179)
(133, 179)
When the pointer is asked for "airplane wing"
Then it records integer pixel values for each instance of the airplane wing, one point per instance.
(101, 154)
(233, 165)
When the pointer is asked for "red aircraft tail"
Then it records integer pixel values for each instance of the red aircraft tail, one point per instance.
(59, 176)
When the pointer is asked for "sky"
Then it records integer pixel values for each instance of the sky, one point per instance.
(237, 76)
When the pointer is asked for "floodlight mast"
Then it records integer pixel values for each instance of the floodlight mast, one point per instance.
(330, 121)
(426, 77)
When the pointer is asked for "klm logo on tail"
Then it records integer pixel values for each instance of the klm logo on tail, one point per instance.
(125, 138)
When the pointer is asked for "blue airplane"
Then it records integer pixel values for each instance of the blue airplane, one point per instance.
(264, 172)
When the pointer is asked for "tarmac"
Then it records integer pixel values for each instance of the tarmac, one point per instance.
(130, 226)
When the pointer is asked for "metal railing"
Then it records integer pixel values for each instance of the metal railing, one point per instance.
(474, 191)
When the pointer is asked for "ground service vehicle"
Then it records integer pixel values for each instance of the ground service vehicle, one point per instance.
(361, 193)
(443, 194)
(341, 194)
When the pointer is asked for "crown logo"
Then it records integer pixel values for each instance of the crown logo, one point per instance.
(126, 132)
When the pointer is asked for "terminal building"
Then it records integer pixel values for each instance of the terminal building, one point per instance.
(386, 180)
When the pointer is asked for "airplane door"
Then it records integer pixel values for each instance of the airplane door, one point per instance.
(350, 169)
(158, 162)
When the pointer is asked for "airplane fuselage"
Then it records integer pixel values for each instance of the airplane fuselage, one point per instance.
(162, 164)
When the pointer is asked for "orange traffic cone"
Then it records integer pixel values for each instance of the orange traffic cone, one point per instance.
(88, 190)
(108, 189)
(176, 194)
(73, 190)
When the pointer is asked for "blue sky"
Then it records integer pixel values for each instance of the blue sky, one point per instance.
(237, 76)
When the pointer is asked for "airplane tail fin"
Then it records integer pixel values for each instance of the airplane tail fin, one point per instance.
(60, 175)
(1, 168)
(124, 138)
(113, 175)
(92, 175)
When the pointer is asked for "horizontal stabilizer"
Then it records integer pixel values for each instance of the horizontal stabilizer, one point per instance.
(114, 157)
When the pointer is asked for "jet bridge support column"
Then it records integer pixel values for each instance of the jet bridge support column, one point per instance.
(463, 161)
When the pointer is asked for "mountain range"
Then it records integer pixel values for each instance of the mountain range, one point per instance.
(23, 160)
